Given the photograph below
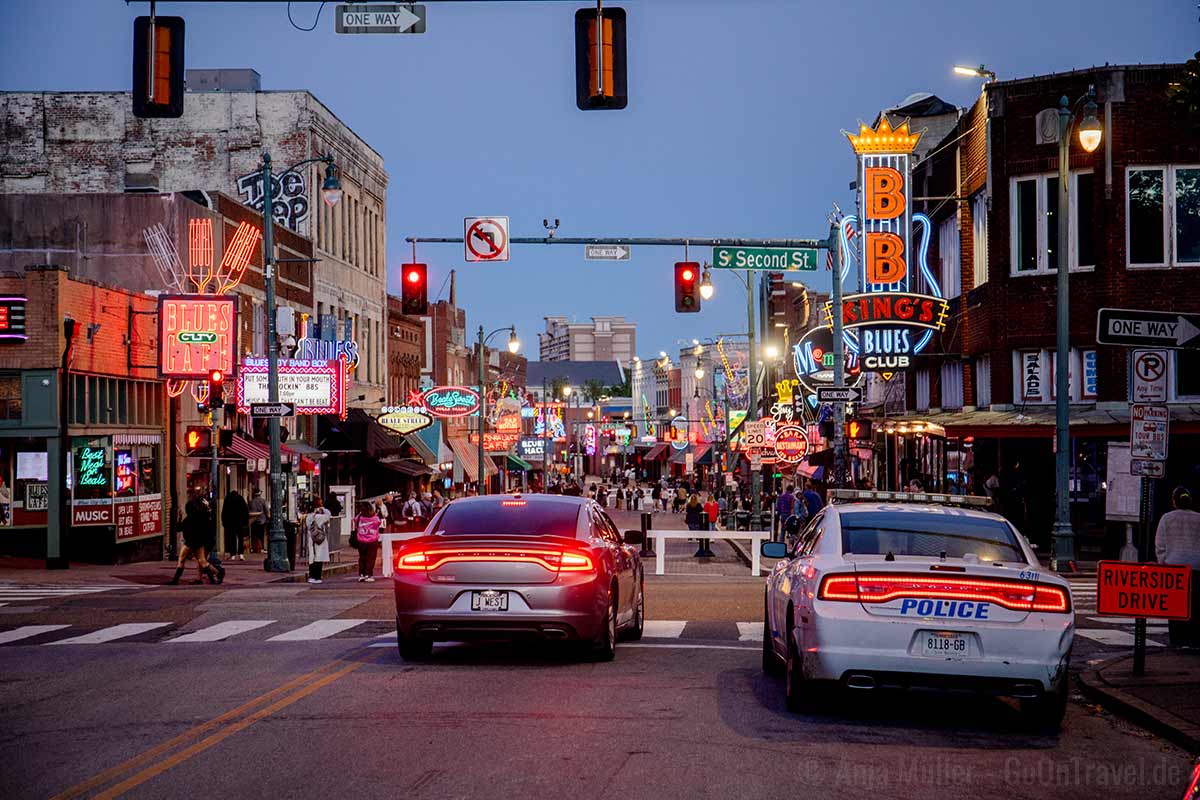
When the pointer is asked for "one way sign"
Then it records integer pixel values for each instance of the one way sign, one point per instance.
(838, 394)
(272, 409)
(1138, 328)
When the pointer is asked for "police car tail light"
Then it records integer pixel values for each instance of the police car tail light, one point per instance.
(1016, 595)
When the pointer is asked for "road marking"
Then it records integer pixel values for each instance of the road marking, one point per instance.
(663, 629)
(1116, 638)
(1150, 623)
(222, 630)
(321, 629)
(111, 634)
(673, 646)
(158, 750)
(750, 631)
(27, 631)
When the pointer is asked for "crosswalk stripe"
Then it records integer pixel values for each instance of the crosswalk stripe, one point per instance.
(321, 629)
(1150, 623)
(112, 633)
(26, 631)
(750, 631)
(1117, 638)
(222, 630)
(663, 629)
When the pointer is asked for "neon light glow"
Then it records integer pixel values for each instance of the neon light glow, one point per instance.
(883, 588)
(237, 256)
(551, 560)
(200, 252)
(197, 333)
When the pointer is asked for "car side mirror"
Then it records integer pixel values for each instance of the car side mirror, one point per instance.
(635, 537)
(774, 550)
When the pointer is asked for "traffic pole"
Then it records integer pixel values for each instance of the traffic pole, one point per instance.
(1146, 509)
(839, 362)
(752, 398)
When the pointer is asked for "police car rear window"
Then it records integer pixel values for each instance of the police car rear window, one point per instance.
(916, 534)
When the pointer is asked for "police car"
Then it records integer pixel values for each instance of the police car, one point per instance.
(908, 590)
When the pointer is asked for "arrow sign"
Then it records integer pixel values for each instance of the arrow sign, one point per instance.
(272, 410)
(606, 252)
(359, 18)
(839, 394)
(1137, 328)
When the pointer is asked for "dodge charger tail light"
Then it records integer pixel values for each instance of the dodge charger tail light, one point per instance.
(553, 560)
(1016, 595)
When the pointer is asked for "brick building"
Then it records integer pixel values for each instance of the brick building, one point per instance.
(90, 142)
(990, 187)
(407, 352)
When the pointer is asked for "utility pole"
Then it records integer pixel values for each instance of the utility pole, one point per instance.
(276, 540)
(752, 398)
(216, 441)
(839, 362)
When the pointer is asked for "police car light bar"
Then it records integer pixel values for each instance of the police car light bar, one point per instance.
(936, 498)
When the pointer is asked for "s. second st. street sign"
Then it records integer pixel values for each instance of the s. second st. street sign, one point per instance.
(802, 259)
(1144, 328)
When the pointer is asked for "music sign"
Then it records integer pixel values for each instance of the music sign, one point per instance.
(197, 333)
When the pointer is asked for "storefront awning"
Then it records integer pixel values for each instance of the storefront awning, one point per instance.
(1100, 419)
(421, 448)
(249, 449)
(407, 466)
(306, 450)
(467, 456)
(518, 463)
(697, 451)
(658, 452)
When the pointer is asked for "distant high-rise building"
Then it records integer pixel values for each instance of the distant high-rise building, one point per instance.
(602, 339)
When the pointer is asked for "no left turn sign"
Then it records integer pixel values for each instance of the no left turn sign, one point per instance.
(485, 238)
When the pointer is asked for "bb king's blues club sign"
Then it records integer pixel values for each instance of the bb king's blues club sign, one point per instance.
(902, 305)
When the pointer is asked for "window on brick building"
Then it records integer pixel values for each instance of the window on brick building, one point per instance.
(979, 230)
(952, 385)
(1034, 224)
(1034, 379)
(948, 251)
(1163, 216)
(983, 381)
(10, 396)
(1185, 375)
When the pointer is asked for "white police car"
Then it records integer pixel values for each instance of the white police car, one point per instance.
(896, 590)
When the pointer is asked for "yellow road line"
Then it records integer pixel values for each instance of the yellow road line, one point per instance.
(186, 736)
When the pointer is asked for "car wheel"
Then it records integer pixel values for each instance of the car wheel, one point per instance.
(799, 695)
(639, 613)
(604, 646)
(770, 661)
(413, 649)
(1045, 714)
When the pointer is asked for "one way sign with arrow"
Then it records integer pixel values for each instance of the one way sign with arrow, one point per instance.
(1144, 328)
(838, 394)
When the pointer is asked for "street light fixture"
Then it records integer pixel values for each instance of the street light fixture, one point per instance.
(514, 344)
(699, 373)
(706, 285)
(975, 72)
(331, 189)
(772, 351)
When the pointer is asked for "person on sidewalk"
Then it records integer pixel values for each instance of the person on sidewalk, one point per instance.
(785, 506)
(316, 527)
(697, 520)
(713, 510)
(1177, 541)
(366, 539)
(812, 499)
(235, 517)
(413, 512)
(259, 511)
(381, 511)
(197, 529)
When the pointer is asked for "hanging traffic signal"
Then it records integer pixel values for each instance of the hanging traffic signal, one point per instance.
(600, 80)
(198, 438)
(158, 67)
(414, 294)
(687, 287)
(858, 429)
(216, 389)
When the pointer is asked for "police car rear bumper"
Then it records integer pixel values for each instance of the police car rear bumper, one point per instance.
(839, 646)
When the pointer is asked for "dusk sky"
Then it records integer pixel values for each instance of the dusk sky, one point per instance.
(733, 125)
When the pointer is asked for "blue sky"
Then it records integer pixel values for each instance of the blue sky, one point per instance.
(733, 125)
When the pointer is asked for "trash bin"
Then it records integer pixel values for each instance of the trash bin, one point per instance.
(647, 542)
(741, 520)
(764, 521)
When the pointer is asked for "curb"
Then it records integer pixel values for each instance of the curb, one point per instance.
(1174, 729)
(334, 568)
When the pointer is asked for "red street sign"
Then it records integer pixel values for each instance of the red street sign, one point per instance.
(1127, 589)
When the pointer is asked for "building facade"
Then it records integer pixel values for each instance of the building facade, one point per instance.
(406, 352)
(602, 339)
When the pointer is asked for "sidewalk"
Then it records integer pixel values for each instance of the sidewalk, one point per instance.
(1164, 700)
(729, 559)
(32, 571)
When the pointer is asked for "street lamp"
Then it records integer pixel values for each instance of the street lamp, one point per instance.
(975, 72)
(514, 344)
(699, 374)
(772, 351)
(331, 193)
(706, 284)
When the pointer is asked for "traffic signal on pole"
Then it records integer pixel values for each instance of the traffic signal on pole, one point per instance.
(858, 429)
(414, 294)
(687, 287)
(216, 389)
(198, 438)
(158, 67)
(600, 80)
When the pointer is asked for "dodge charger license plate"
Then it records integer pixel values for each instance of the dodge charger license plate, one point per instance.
(945, 645)
(489, 600)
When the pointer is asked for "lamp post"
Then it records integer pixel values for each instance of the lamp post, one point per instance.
(514, 344)
(1090, 134)
(331, 193)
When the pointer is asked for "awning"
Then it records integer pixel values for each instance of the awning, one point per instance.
(698, 451)
(1099, 419)
(658, 452)
(518, 463)
(422, 449)
(306, 450)
(407, 466)
(467, 456)
(249, 449)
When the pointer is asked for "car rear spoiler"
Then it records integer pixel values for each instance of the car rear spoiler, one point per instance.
(841, 496)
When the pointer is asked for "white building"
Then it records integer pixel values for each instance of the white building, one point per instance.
(602, 339)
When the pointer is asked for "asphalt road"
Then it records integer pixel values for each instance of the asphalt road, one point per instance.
(334, 712)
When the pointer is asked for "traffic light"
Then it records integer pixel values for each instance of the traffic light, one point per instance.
(687, 287)
(216, 389)
(198, 438)
(414, 294)
(600, 80)
(158, 67)
(858, 429)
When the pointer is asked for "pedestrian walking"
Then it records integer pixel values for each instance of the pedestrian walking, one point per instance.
(413, 511)
(696, 520)
(785, 506)
(197, 530)
(381, 511)
(438, 501)
(365, 538)
(713, 510)
(316, 528)
(602, 497)
(655, 497)
(259, 511)
(812, 500)
(1177, 541)
(235, 519)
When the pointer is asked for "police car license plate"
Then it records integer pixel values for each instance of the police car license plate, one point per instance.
(489, 600)
(936, 644)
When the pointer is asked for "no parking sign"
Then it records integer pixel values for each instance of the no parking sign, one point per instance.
(485, 238)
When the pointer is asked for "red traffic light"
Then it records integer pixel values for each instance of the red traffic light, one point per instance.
(215, 376)
(414, 289)
(687, 294)
(687, 275)
(414, 276)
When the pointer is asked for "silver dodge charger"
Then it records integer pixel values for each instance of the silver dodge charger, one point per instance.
(548, 567)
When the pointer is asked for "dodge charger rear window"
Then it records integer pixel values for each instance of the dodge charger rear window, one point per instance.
(510, 518)
(915, 534)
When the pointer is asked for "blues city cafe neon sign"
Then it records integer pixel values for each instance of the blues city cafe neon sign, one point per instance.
(903, 305)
